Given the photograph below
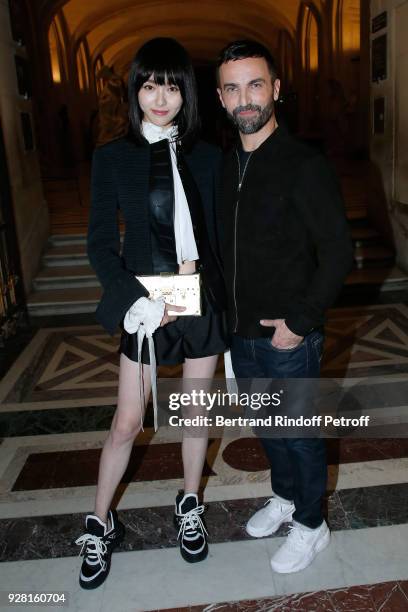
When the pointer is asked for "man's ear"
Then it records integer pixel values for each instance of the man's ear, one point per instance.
(220, 97)
(276, 89)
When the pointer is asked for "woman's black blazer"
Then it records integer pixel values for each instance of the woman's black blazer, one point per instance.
(120, 180)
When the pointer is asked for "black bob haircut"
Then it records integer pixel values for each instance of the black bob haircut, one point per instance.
(168, 62)
(243, 49)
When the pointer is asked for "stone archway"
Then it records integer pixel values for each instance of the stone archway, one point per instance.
(310, 55)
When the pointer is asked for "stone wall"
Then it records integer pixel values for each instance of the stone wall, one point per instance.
(387, 148)
(30, 208)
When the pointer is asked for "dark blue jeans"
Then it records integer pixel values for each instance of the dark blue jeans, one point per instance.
(298, 465)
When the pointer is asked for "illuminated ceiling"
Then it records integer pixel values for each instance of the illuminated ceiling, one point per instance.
(116, 28)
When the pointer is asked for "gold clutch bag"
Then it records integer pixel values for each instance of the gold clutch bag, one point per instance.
(178, 289)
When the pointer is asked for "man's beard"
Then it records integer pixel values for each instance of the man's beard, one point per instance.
(250, 125)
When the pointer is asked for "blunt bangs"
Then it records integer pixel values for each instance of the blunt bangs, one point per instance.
(167, 62)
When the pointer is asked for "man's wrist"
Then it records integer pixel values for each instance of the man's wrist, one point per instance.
(297, 328)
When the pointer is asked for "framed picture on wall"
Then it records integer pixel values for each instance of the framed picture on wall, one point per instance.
(379, 22)
(27, 129)
(23, 76)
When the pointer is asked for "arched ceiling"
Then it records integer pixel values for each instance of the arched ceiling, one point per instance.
(116, 28)
(203, 37)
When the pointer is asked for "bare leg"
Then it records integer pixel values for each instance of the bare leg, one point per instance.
(126, 424)
(194, 448)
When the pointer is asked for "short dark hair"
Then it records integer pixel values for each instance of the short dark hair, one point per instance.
(168, 61)
(243, 49)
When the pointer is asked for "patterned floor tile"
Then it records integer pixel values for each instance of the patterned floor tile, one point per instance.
(80, 468)
(62, 366)
(152, 527)
(382, 597)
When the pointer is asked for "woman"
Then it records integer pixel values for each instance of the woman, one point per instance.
(164, 181)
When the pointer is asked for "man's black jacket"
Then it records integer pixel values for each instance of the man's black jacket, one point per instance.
(286, 242)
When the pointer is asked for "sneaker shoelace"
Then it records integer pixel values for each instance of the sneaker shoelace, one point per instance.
(94, 547)
(275, 501)
(296, 537)
(191, 521)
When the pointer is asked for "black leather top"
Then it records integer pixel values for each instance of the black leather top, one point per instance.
(161, 208)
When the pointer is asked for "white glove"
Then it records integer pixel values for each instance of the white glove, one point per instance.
(148, 313)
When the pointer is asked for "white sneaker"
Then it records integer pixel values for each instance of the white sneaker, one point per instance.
(300, 548)
(269, 518)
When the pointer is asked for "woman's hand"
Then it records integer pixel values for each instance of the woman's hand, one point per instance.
(169, 318)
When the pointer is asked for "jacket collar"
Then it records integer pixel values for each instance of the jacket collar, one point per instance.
(273, 142)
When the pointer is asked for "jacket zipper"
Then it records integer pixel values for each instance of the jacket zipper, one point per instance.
(240, 181)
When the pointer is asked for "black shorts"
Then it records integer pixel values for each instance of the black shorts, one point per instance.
(187, 337)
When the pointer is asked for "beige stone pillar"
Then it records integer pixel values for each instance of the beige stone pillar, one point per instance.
(388, 149)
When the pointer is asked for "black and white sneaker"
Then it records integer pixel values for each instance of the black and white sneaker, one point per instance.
(97, 547)
(191, 528)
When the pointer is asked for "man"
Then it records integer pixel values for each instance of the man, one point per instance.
(286, 253)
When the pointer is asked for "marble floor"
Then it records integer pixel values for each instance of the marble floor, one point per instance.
(57, 398)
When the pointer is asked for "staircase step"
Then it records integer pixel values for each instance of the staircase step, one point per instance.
(63, 301)
(364, 235)
(358, 212)
(85, 299)
(59, 277)
(386, 279)
(373, 255)
(57, 240)
(66, 255)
